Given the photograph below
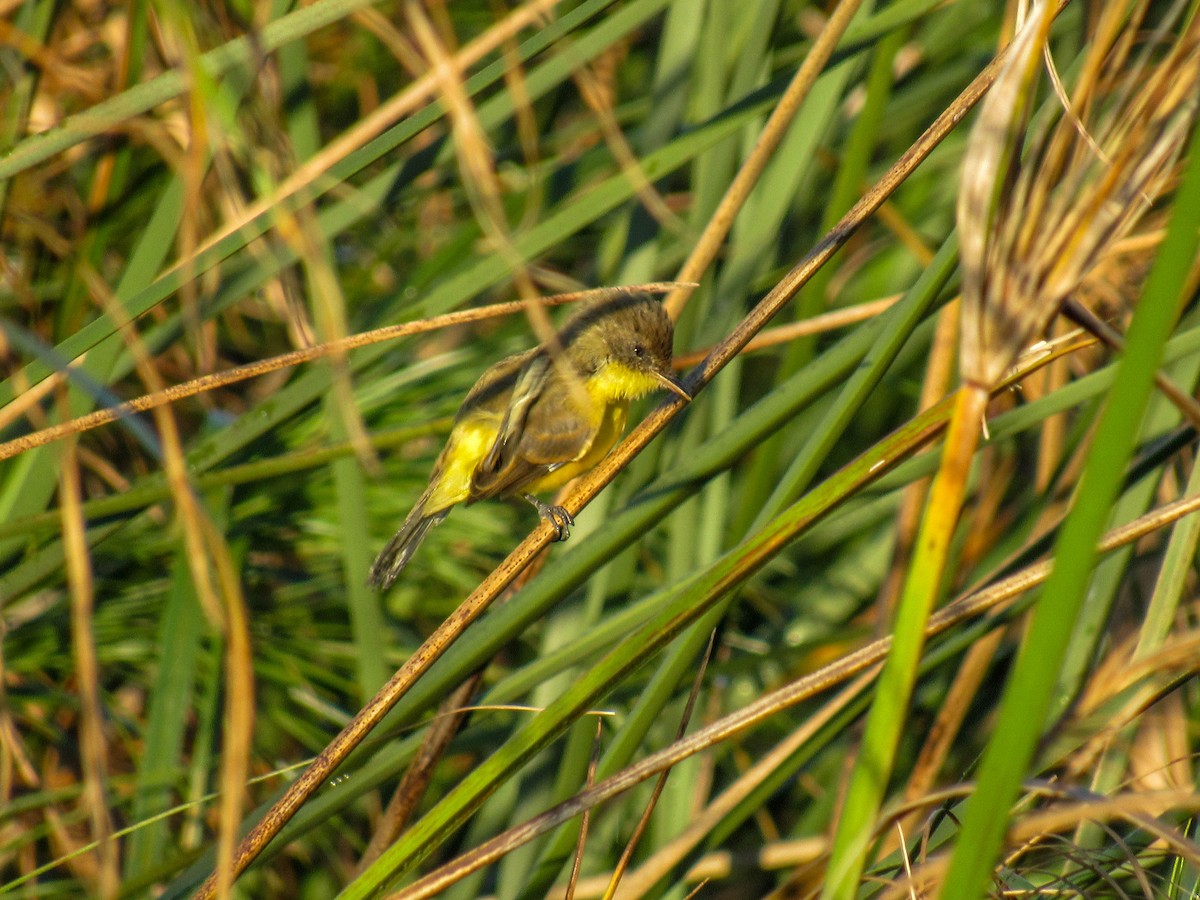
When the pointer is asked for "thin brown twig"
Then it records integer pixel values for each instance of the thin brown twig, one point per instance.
(592, 92)
(27, 400)
(644, 821)
(216, 380)
(782, 334)
(773, 132)
(413, 784)
(1085, 318)
(586, 818)
(83, 646)
(720, 865)
(239, 704)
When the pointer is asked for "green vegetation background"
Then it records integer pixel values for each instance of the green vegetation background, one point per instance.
(170, 576)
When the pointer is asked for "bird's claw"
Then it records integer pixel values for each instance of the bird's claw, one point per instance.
(561, 520)
(555, 515)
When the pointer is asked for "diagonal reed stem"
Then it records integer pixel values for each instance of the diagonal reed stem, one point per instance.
(591, 484)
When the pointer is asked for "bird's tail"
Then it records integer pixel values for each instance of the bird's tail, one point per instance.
(404, 543)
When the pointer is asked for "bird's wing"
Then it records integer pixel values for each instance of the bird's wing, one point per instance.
(542, 429)
(556, 433)
(526, 391)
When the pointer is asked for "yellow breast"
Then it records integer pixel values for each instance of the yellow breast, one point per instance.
(611, 389)
(612, 424)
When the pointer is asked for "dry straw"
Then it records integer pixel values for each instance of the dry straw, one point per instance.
(1033, 225)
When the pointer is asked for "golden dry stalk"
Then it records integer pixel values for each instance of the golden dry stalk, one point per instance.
(1033, 224)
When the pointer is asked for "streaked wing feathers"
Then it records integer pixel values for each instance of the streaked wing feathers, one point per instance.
(525, 394)
(537, 436)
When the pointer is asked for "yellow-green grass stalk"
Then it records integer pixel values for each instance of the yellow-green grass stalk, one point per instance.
(990, 156)
(1028, 695)
(1033, 228)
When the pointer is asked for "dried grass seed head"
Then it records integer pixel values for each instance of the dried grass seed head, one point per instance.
(1033, 225)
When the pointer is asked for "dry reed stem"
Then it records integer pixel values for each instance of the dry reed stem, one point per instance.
(442, 729)
(517, 87)
(773, 132)
(330, 302)
(222, 599)
(239, 707)
(1139, 809)
(644, 820)
(16, 766)
(618, 145)
(477, 165)
(92, 743)
(586, 818)
(673, 853)
(782, 334)
(591, 484)
(482, 185)
(166, 395)
(1084, 317)
(1052, 436)
(1120, 673)
(28, 400)
(952, 711)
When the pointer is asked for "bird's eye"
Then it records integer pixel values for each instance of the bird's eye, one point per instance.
(639, 350)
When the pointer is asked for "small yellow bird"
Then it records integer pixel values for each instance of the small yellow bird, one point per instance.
(535, 420)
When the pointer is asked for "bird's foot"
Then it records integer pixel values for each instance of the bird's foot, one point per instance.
(555, 515)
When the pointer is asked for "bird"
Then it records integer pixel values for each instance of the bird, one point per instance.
(537, 419)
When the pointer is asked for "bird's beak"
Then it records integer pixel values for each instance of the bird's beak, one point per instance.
(672, 384)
